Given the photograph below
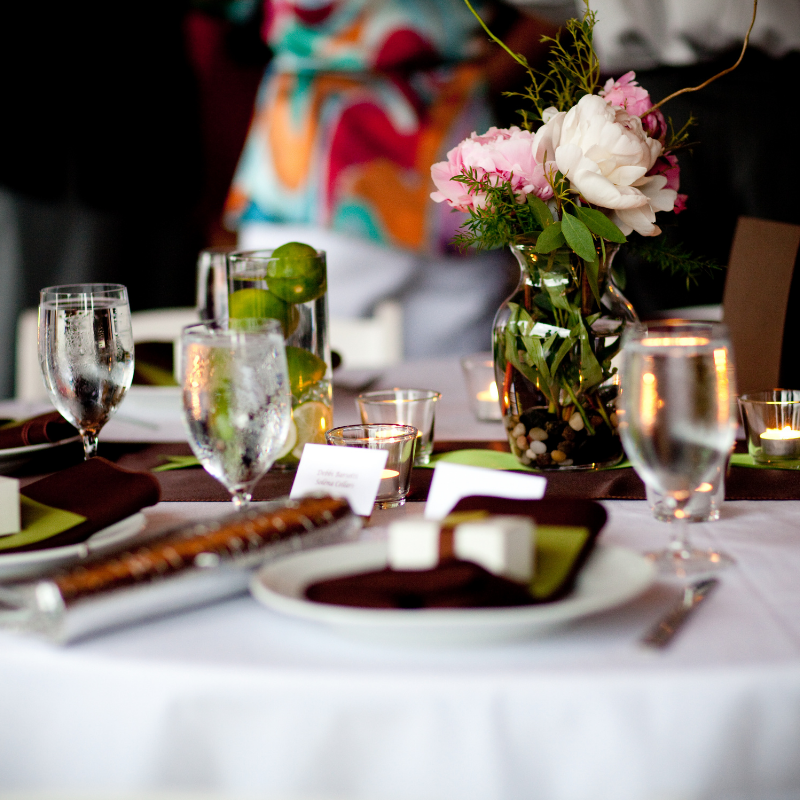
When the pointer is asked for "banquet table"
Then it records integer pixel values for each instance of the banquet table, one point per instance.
(233, 699)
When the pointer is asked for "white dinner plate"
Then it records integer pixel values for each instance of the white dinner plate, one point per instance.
(13, 457)
(612, 576)
(15, 566)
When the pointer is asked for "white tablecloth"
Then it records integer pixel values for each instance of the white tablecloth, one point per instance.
(237, 700)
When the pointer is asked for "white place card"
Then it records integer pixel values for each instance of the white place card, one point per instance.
(451, 482)
(10, 521)
(350, 472)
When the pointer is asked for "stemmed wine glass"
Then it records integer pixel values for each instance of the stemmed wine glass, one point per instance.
(678, 422)
(86, 353)
(236, 399)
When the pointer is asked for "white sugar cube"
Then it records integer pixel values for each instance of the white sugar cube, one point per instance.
(503, 545)
(10, 521)
(413, 544)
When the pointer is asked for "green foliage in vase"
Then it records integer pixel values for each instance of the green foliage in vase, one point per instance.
(554, 335)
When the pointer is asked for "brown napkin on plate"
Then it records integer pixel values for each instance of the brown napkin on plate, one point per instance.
(44, 429)
(452, 584)
(96, 489)
(462, 584)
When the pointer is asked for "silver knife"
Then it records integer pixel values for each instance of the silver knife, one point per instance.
(661, 634)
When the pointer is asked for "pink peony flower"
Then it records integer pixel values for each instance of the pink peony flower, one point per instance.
(667, 165)
(626, 94)
(504, 154)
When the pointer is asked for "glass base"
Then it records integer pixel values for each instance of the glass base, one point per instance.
(689, 564)
(390, 503)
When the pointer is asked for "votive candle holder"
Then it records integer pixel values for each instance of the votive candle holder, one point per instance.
(772, 424)
(398, 441)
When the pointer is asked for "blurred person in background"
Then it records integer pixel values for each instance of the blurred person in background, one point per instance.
(359, 100)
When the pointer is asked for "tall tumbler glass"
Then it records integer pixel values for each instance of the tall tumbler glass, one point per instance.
(677, 410)
(236, 401)
(291, 287)
(212, 282)
(86, 353)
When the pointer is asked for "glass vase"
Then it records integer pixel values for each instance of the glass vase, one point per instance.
(554, 343)
(292, 290)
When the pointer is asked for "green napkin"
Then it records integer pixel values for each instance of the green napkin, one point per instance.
(557, 547)
(39, 522)
(492, 459)
(177, 462)
(746, 460)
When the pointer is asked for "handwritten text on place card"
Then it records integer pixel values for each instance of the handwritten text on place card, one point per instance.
(351, 472)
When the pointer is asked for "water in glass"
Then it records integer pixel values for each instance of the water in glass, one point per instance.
(236, 400)
(86, 353)
(677, 422)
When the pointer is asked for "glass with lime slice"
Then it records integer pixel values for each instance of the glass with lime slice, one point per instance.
(289, 284)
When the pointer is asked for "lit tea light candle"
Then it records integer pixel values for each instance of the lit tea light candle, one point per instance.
(389, 473)
(781, 442)
(488, 405)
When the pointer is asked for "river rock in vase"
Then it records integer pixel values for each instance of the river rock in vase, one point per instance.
(554, 341)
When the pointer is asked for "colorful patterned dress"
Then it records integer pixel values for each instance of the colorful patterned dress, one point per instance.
(362, 96)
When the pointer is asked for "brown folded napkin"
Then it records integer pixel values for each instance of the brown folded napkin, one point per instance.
(452, 584)
(96, 489)
(45, 428)
(571, 530)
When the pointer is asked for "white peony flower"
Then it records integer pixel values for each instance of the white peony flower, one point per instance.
(606, 155)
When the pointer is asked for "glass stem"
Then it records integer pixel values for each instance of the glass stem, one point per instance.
(241, 499)
(679, 544)
(89, 439)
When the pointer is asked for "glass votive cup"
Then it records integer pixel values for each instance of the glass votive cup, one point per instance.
(771, 422)
(484, 400)
(415, 407)
(398, 441)
(703, 506)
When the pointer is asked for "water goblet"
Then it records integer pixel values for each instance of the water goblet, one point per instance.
(236, 399)
(86, 353)
(678, 422)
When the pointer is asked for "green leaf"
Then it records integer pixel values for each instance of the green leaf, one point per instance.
(566, 346)
(578, 236)
(557, 286)
(591, 372)
(533, 346)
(516, 340)
(540, 211)
(543, 302)
(550, 239)
(597, 222)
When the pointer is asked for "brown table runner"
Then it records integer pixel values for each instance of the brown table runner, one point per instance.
(194, 484)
